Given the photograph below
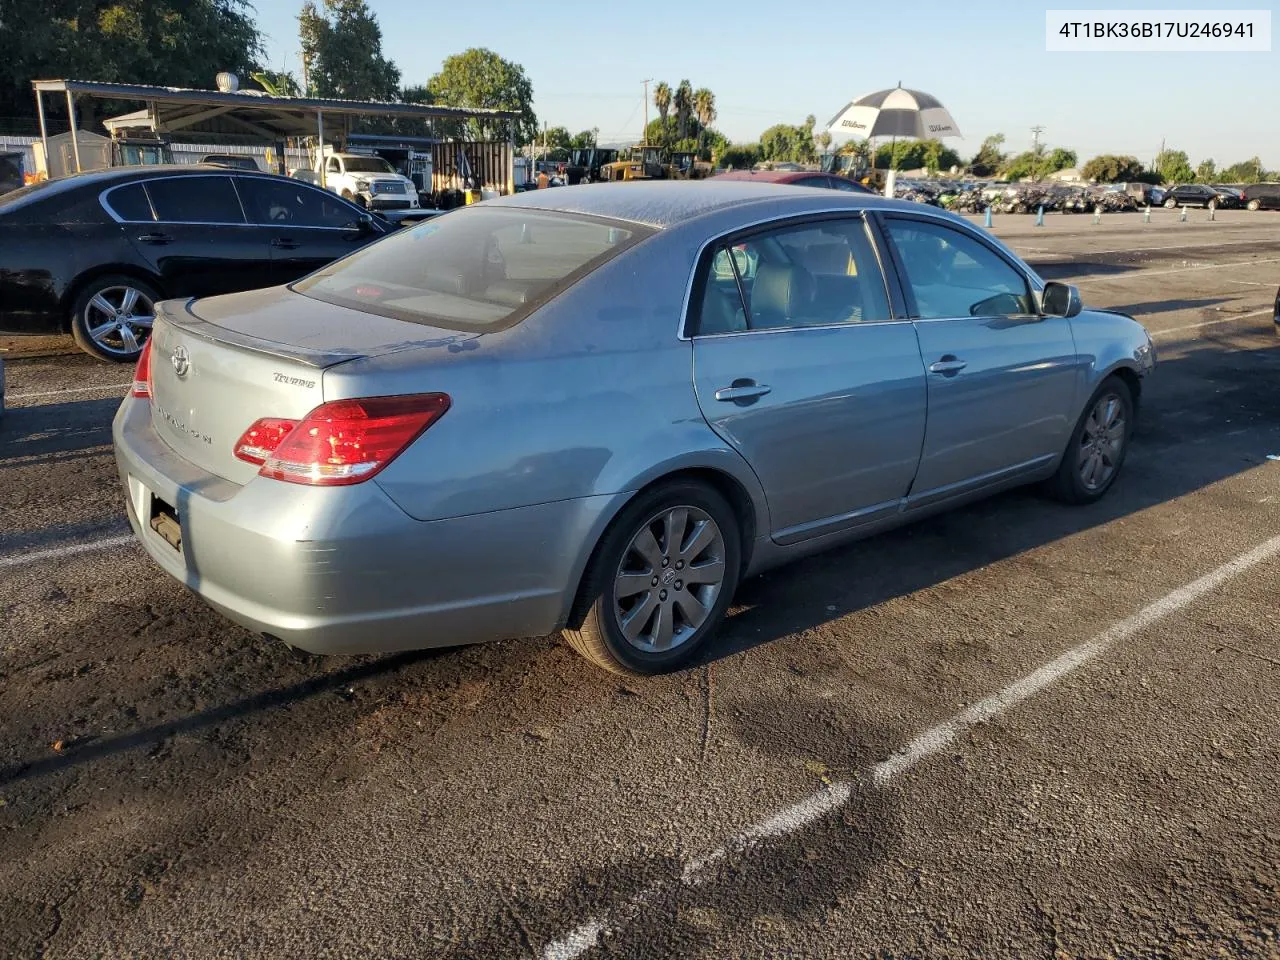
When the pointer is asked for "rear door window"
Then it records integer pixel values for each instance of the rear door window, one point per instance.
(130, 203)
(195, 200)
(811, 275)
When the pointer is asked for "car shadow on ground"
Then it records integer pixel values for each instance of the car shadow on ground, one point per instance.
(55, 429)
(872, 571)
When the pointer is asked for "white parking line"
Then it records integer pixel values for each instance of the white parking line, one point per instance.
(57, 553)
(1143, 274)
(932, 741)
(56, 393)
(1172, 246)
(1210, 323)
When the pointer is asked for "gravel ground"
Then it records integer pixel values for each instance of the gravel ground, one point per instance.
(172, 786)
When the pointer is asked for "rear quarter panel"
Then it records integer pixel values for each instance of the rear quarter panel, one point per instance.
(590, 395)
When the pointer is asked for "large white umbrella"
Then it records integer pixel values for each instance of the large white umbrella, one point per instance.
(895, 112)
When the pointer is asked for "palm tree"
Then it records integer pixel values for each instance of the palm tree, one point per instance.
(662, 100)
(704, 108)
(683, 102)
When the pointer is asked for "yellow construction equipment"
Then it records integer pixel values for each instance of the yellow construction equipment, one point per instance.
(642, 162)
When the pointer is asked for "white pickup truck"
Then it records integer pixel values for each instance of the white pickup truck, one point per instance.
(367, 180)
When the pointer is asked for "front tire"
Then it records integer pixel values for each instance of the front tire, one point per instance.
(1098, 445)
(660, 581)
(112, 317)
(1170, 203)
(1254, 205)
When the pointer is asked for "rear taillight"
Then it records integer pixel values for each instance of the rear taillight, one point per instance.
(263, 438)
(142, 373)
(340, 442)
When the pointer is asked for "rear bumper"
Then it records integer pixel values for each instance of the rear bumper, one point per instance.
(343, 570)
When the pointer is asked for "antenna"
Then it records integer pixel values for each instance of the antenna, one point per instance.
(1035, 138)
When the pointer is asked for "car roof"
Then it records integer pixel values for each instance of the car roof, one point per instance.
(769, 176)
(138, 172)
(666, 203)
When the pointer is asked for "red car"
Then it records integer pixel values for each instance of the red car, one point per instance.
(801, 178)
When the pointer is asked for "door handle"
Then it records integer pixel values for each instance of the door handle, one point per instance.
(286, 244)
(156, 238)
(947, 366)
(742, 391)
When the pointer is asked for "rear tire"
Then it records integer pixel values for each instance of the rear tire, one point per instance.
(1098, 445)
(636, 614)
(112, 317)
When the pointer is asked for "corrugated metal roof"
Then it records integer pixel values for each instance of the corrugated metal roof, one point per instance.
(255, 100)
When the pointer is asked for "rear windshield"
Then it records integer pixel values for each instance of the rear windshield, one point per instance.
(479, 268)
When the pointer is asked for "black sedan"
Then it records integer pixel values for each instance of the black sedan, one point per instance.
(1199, 195)
(91, 253)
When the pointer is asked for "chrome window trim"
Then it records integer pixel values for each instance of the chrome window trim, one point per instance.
(860, 212)
(233, 177)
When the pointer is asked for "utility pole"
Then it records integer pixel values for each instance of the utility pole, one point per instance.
(644, 136)
(1035, 139)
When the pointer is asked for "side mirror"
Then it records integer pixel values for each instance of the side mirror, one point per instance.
(1060, 300)
(364, 223)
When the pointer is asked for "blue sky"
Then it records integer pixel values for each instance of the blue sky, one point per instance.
(771, 62)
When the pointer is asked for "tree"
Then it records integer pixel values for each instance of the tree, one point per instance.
(1207, 171)
(1111, 168)
(662, 100)
(1060, 158)
(784, 142)
(1038, 164)
(704, 108)
(416, 94)
(181, 43)
(683, 102)
(585, 139)
(277, 84)
(989, 157)
(342, 52)
(824, 141)
(1174, 167)
(1249, 171)
(480, 78)
(741, 156)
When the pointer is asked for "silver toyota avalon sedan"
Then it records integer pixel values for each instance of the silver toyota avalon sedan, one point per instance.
(598, 409)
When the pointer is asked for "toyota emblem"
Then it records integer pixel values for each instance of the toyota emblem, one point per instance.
(181, 360)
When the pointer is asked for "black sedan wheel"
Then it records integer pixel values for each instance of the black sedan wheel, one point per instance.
(112, 318)
(660, 581)
(1170, 203)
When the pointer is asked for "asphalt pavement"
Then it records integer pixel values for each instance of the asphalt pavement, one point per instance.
(1018, 730)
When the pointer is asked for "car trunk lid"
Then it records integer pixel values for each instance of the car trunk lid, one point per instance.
(219, 365)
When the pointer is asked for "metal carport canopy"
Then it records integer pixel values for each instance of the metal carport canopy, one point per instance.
(266, 116)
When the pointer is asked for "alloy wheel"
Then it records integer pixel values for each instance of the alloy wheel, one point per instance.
(669, 579)
(118, 319)
(1102, 442)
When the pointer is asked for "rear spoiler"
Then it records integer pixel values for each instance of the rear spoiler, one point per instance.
(181, 314)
